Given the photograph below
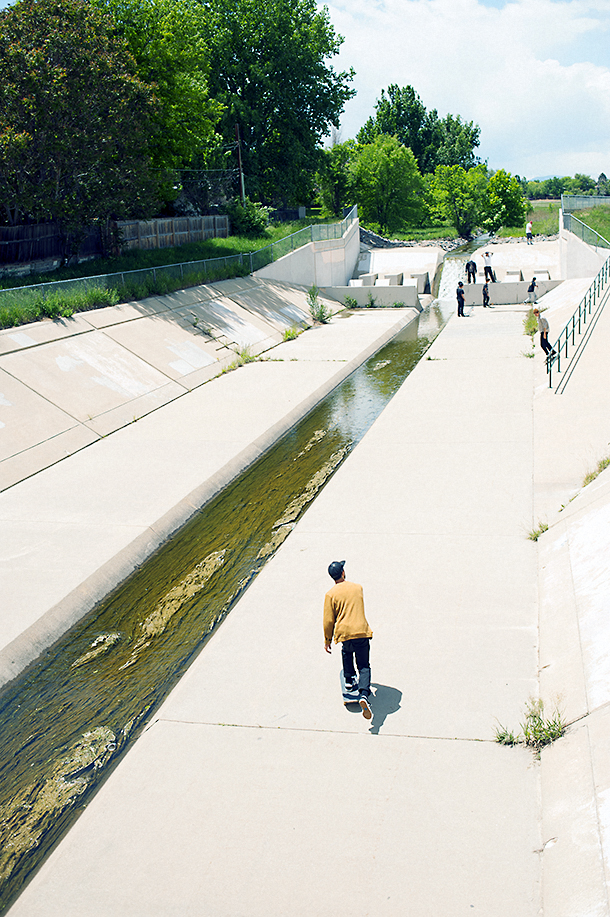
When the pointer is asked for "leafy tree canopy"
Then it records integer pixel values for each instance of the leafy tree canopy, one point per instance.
(434, 141)
(457, 195)
(167, 41)
(334, 178)
(271, 73)
(503, 203)
(387, 184)
(75, 119)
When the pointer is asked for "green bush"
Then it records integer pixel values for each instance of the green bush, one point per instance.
(318, 310)
(247, 219)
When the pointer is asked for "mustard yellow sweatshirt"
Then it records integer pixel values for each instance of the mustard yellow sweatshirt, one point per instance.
(344, 613)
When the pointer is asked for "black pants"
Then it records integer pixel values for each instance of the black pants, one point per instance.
(360, 648)
(489, 274)
(472, 277)
(544, 342)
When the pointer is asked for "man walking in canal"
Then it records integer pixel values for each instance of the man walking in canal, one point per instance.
(344, 620)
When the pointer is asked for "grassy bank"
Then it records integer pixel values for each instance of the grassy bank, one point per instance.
(545, 220)
(598, 218)
(28, 305)
(446, 231)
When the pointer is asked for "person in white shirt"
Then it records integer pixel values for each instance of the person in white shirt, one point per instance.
(489, 274)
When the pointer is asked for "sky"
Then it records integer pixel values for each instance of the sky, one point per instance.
(533, 74)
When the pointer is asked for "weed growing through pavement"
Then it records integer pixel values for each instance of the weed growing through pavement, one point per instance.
(290, 334)
(591, 475)
(243, 356)
(371, 302)
(530, 324)
(535, 534)
(350, 303)
(318, 310)
(536, 729)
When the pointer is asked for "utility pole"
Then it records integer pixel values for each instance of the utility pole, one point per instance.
(242, 186)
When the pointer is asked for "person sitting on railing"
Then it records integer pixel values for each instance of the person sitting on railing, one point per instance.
(543, 328)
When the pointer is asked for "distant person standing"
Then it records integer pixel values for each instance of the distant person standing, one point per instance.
(528, 233)
(485, 295)
(531, 290)
(543, 327)
(489, 274)
(471, 271)
(461, 298)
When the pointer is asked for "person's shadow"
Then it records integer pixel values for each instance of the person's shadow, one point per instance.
(386, 701)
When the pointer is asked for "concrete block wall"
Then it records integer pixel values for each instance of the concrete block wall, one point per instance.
(405, 293)
(508, 292)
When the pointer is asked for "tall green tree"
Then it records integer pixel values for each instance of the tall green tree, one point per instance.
(388, 186)
(434, 141)
(334, 178)
(75, 119)
(457, 196)
(167, 39)
(271, 73)
(503, 203)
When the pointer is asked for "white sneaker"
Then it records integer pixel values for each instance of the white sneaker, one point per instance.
(367, 713)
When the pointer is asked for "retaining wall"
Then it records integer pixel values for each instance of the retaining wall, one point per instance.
(325, 264)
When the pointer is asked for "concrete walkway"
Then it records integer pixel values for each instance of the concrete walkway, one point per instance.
(255, 792)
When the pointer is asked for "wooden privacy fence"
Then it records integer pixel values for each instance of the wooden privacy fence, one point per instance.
(42, 241)
(167, 233)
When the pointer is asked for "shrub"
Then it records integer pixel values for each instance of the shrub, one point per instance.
(247, 219)
(319, 311)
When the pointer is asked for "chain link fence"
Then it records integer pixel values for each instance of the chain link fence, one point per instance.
(165, 278)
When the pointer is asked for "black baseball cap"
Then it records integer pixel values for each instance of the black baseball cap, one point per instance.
(336, 568)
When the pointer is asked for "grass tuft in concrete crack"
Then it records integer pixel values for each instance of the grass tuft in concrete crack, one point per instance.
(506, 736)
(535, 534)
(537, 730)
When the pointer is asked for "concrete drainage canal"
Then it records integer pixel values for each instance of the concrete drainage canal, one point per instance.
(67, 721)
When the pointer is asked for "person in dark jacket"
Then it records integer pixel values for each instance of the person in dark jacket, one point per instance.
(460, 299)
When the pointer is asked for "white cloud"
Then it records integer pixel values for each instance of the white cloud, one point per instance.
(521, 71)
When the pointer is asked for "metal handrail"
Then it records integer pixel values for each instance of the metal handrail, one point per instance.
(584, 232)
(577, 325)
